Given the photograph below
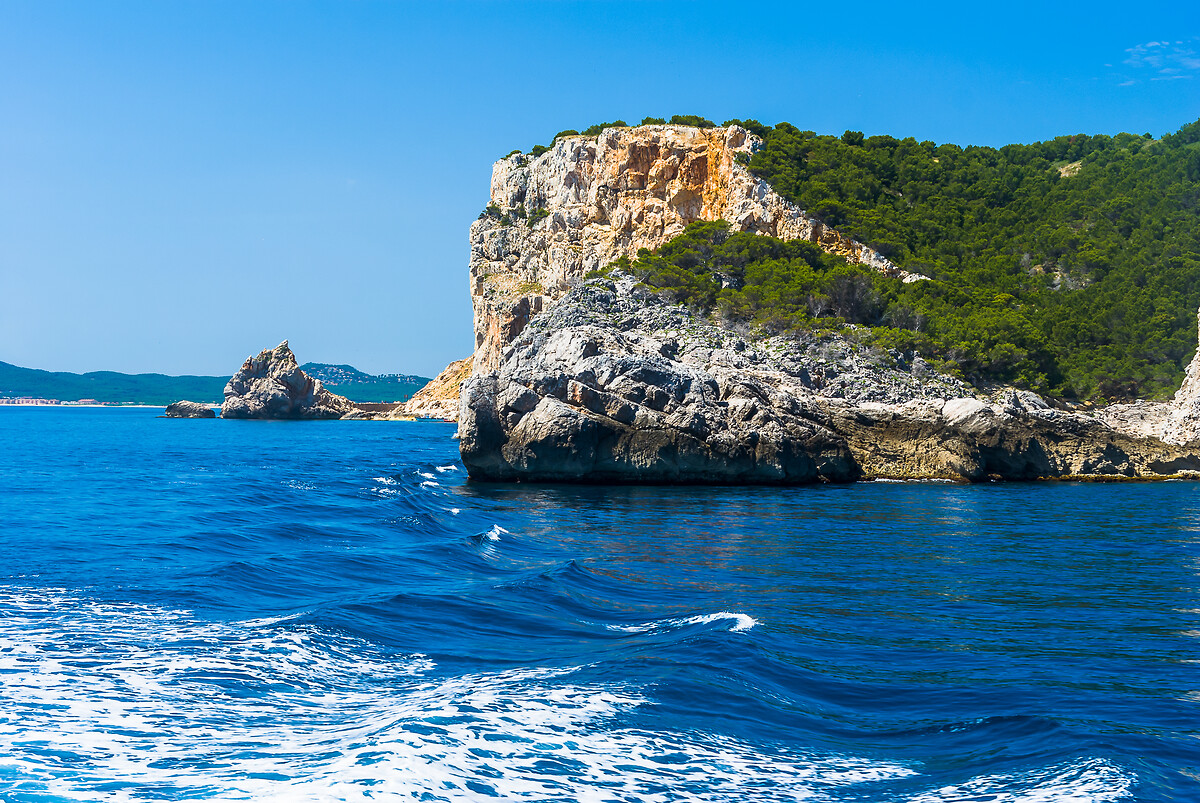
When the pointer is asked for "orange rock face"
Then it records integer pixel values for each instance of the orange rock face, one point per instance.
(587, 202)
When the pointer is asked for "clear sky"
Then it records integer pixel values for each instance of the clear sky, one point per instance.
(183, 183)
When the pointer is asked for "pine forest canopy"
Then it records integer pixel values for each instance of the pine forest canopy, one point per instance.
(1071, 266)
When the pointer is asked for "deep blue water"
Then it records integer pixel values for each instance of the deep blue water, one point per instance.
(233, 610)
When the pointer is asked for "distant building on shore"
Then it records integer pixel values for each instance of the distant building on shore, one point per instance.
(28, 400)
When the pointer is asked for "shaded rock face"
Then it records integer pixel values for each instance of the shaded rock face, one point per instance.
(614, 385)
(189, 409)
(588, 201)
(272, 385)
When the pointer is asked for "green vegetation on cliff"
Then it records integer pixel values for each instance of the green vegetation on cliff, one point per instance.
(1071, 266)
(978, 327)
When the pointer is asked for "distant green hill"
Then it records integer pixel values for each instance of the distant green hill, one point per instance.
(348, 381)
(109, 386)
(159, 389)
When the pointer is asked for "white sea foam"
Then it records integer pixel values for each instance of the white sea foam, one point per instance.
(430, 484)
(427, 475)
(1091, 780)
(495, 533)
(121, 702)
(447, 468)
(271, 621)
(740, 621)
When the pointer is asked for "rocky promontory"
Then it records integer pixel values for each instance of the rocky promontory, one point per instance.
(552, 218)
(614, 385)
(271, 385)
(601, 381)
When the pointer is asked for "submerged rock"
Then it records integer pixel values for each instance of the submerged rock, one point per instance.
(272, 385)
(189, 409)
(613, 385)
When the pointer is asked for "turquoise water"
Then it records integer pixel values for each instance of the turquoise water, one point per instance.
(230, 610)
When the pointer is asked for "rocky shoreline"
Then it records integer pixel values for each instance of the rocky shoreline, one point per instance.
(599, 381)
(613, 385)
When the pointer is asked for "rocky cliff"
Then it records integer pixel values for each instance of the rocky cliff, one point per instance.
(272, 385)
(614, 385)
(601, 381)
(589, 200)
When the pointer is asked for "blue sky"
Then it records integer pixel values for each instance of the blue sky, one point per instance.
(184, 183)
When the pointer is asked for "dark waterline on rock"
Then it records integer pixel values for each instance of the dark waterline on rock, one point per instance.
(240, 610)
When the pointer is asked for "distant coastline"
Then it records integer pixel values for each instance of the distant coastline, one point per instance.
(28, 402)
(31, 387)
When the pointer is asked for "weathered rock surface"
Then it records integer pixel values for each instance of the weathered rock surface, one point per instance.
(612, 384)
(589, 200)
(189, 409)
(272, 385)
(1176, 421)
(438, 399)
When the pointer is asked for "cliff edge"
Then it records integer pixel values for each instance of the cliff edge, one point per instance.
(439, 398)
(1176, 421)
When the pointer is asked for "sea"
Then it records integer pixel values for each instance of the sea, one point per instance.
(195, 610)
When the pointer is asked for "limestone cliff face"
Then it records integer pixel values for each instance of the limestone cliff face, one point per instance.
(588, 201)
(600, 381)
